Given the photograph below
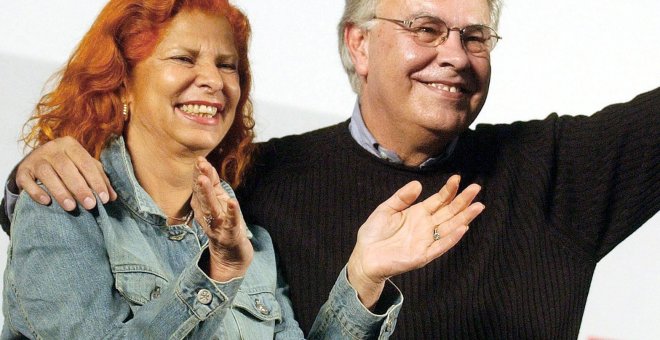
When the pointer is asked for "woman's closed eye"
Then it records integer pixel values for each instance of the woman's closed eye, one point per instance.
(184, 59)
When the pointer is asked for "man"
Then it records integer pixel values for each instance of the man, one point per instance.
(560, 193)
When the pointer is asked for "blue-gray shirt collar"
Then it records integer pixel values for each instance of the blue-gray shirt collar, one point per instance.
(366, 140)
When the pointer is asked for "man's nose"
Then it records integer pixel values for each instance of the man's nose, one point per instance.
(452, 52)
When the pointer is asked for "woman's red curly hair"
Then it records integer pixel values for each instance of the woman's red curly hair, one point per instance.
(86, 102)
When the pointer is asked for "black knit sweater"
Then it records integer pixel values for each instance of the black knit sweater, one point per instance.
(560, 193)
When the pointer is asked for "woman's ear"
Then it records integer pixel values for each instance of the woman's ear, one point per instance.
(124, 92)
(126, 99)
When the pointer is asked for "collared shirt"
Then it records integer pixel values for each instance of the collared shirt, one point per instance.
(120, 271)
(366, 140)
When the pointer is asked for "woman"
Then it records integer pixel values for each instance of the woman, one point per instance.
(167, 83)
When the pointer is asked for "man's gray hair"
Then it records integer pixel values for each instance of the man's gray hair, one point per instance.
(361, 12)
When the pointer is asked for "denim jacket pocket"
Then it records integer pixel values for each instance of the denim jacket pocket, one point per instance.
(262, 305)
(138, 283)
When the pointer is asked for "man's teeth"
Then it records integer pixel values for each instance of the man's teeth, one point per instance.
(199, 110)
(444, 87)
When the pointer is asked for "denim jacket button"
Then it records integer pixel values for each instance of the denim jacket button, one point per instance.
(155, 294)
(177, 237)
(261, 307)
(204, 296)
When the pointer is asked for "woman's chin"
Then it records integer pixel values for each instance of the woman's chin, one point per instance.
(201, 146)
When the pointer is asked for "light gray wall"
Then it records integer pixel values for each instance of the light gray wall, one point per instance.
(570, 57)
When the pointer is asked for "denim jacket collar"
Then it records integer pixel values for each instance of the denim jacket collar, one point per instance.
(117, 163)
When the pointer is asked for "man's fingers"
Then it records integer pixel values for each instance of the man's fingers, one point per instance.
(403, 198)
(464, 218)
(112, 192)
(445, 243)
(73, 180)
(27, 183)
(48, 176)
(468, 215)
(460, 202)
(444, 196)
(92, 171)
(68, 171)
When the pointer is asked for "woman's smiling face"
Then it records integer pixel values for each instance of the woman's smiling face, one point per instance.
(184, 95)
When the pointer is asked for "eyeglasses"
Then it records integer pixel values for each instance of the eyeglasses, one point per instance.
(431, 31)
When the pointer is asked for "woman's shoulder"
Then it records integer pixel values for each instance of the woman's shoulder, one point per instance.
(49, 222)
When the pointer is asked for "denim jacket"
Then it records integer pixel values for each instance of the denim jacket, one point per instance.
(118, 271)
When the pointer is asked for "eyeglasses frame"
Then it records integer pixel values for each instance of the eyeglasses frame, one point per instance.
(407, 25)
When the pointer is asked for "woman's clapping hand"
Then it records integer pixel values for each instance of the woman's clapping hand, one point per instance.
(219, 215)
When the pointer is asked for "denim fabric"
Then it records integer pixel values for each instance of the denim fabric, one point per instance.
(119, 271)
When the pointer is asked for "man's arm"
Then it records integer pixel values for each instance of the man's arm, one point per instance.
(68, 171)
(8, 201)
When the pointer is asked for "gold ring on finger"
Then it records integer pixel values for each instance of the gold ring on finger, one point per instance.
(436, 234)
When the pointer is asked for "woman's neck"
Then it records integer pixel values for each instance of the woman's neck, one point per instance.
(166, 175)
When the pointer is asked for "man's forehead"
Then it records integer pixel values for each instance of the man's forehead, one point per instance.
(455, 12)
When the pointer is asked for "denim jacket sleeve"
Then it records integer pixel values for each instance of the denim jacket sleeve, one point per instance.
(58, 284)
(342, 316)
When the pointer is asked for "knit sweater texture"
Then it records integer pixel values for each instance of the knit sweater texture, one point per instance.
(560, 194)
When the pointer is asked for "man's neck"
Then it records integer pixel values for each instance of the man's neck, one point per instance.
(412, 144)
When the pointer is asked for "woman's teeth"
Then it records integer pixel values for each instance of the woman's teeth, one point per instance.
(199, 110)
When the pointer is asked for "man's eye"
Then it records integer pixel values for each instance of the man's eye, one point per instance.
(475, 38)
(426, 30)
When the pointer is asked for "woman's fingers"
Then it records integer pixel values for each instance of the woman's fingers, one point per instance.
(201, 202)
(209, 171)
(233, 215)
(221, 214)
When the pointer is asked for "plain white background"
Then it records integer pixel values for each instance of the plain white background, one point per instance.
(570, 57)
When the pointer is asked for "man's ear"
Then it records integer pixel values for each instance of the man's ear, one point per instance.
(357, 42)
